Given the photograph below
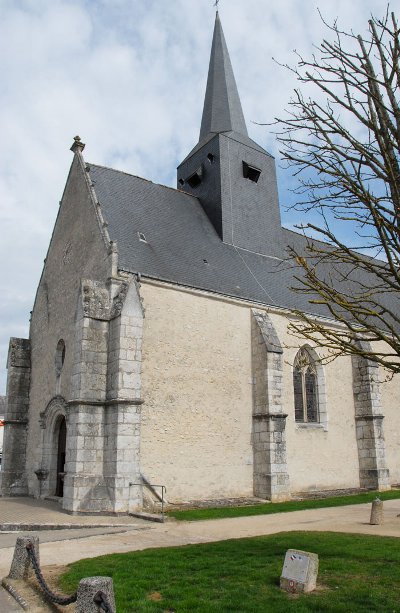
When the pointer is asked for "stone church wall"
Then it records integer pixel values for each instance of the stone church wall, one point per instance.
(197, 391)
(196, 428)
(77, 250)
(330, 455)
(390, 391)
(320, 456)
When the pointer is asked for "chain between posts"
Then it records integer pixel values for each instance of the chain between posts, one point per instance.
(61, 600)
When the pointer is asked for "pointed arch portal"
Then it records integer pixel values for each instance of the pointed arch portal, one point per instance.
(53, 421)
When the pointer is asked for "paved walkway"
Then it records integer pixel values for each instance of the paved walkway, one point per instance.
(27, 511)
(353, 518)
(24, 512)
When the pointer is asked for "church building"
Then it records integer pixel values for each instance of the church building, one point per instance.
(159, 351)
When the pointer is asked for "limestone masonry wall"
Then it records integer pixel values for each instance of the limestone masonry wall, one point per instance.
(198, 403)
(197, 391)
(320, 456)
(77, 251)
(390, 391)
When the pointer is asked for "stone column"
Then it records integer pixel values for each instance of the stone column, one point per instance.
(14, 481)
(123, 412)
(374, 473)
(271, 480)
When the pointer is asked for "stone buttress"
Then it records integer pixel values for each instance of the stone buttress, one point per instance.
(103, 437)
(14, 481)
(374, 473)
(271, 479)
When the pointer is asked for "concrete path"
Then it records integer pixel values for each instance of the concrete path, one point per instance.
(86, 544)
(26, 511)
(7, 539)
(353, 518)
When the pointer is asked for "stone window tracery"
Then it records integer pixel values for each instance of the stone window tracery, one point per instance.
(305, 385)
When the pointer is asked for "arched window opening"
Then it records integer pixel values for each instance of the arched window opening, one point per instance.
(305, 386)
(60, 357)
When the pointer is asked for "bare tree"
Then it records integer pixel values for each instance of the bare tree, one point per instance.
(345, 152)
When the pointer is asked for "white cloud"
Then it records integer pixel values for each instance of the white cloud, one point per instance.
(129, 77)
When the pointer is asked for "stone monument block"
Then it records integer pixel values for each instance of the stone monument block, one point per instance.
(300, 571)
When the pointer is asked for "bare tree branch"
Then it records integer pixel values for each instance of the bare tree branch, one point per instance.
(342, 142)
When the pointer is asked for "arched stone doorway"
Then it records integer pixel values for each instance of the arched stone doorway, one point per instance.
(54, 420)
(61, 441)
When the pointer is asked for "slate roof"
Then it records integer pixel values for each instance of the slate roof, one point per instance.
(222, 110)
(182, 246)
(240, 138)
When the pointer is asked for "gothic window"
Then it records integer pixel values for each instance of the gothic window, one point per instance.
(305, 386)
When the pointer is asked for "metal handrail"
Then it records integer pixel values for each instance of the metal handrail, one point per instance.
(150, 485)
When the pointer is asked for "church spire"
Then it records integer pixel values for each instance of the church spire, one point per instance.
(232, 177)
(222, 108)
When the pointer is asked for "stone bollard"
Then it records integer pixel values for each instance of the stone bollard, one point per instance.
(21, 567)
(90, 591)
(376, 512)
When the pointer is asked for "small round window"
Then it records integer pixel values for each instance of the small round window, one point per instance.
(60, 356)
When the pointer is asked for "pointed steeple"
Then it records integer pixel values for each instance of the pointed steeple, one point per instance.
(222, 108)
(233, 177)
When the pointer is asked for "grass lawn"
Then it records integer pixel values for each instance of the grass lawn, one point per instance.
(358, 573)
(281, 507)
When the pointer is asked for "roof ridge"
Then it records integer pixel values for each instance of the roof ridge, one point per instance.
(128, 174)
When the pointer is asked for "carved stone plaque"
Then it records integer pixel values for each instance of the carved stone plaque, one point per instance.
(296, 566)
(300, 571)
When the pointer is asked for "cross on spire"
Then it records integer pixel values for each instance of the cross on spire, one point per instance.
(216, 3)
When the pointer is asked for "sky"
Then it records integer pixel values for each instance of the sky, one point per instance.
(128, 77)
